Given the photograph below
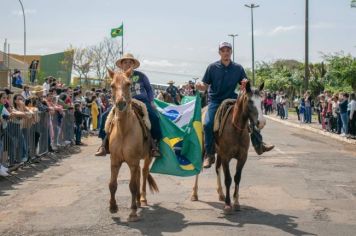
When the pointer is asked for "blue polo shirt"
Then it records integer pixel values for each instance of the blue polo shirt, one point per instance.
(223, 80)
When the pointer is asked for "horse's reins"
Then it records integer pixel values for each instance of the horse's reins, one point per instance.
(243, 90)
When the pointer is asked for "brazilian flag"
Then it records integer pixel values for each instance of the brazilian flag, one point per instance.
(181, 146)
(117, 31)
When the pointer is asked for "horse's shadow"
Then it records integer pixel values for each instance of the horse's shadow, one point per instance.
(158, 220)
(251, 215)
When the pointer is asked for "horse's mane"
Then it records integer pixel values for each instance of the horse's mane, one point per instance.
(240, 110)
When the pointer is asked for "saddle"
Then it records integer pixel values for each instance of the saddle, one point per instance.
(141, 113)
(221, 115)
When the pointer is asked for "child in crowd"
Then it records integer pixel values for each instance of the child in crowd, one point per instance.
(4, 116)
(302, 110)
(79, 119)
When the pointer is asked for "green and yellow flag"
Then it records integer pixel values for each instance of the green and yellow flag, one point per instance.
(181, 146)
(117, 31)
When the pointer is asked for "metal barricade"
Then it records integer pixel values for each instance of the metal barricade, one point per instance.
(24, 139)
(68, 126)
(43, 130)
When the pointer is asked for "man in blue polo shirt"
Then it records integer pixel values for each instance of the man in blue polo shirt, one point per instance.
(221, 78)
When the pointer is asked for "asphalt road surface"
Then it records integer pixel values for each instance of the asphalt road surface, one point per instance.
(305, 186)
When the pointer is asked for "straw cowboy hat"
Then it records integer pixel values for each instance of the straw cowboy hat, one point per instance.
(171, 82)
(37, 89)
(128, 56)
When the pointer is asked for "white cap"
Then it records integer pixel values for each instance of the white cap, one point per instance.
(225, 44)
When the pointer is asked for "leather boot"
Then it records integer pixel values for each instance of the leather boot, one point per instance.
(260, 149)
(154, 148)
(104, 148)
(209, 159)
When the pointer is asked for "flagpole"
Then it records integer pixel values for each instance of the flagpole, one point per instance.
(122, 40)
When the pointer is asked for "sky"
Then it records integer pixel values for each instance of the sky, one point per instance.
(178, 39)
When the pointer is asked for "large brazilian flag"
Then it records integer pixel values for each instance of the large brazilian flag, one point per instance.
(181, 146)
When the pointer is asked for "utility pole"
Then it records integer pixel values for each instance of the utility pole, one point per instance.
(252, 6)
(233, 45)
(306, 63)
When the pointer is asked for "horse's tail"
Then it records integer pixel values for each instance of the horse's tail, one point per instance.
(152, 184)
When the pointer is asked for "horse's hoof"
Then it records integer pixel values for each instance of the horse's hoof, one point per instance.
(221, 198)
(227, 209)
(114, 209)
(194, 198)
(143, 203)
(133, 218)
(236, 207)
(138, 203)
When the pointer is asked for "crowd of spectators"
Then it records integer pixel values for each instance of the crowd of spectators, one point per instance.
(334, 113)
(21, 111)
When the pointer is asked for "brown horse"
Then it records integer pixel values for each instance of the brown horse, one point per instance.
(166, 97)
(128, 144)
(234, 142)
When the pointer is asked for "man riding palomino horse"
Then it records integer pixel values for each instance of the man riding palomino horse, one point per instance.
(141, 90)
(173, 91)
(222, 78)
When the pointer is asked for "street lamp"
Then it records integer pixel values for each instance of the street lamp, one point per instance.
(252, 6)
(233, 45)
(24, 32)
(306, 66)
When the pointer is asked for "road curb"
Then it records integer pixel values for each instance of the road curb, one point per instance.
(308, 128)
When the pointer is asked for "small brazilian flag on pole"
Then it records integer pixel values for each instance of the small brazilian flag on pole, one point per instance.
(117, 31)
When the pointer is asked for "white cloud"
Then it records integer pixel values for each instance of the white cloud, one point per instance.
(159, 63)
(290, 28)
(283, 29)
(27, 12)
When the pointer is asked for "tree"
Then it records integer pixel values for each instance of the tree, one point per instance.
(341, 71)
(83, 63)
(104, 55)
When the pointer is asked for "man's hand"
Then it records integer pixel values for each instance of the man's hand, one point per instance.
(153, 105)
(201, 86)
(243, 85)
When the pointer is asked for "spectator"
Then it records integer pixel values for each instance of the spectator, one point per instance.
(296, 103)
(26, 94)
(308, 106)
(302, 110)
(19, 80)
(46, 86)
(19, 106)
(4, 116)
(353, 115)
(79, 120)
(94, 113)
(343, 113)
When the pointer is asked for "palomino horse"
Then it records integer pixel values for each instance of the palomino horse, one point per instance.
(128, 144)
(234, 142)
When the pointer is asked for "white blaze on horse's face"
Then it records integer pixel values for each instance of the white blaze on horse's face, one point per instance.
(256, 98)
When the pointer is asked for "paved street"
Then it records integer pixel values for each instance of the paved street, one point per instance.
(305, 186)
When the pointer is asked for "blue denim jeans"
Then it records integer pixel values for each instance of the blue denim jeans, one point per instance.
(308, 115)
(156, 131)
(209, 127)
(345, 121)
(103, 118)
